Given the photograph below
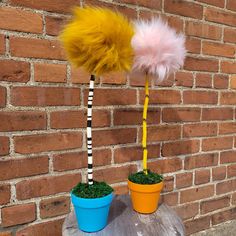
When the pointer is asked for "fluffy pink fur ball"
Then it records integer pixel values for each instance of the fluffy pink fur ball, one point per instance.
(159, 50)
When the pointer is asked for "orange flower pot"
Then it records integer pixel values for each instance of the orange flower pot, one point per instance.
(145, 197)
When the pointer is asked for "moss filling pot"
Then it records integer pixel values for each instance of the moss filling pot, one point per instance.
(145, 197)
(91, 213)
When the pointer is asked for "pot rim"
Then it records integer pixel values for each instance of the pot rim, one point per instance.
(145, 188)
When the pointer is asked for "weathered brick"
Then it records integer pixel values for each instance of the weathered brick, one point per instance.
(200, 130)
(184, 180)
(47, 142)
(14, 71)
(2, 44)
(202, 176)
(187, 211)
(217, 3)
(168, 184)
(54, 25)
(199, 161)
(22, 120)
(220, 81)
(230, 35)
(231, 170)
(121, 189)
(217, 143)
(218, 173)
(5, 193)
(180, 148)
(114, 78)
(44, 186)
(18, 214)
(77, 160)
(184, 79)
(223, 216)
(153, 4)
(193, 45)
(181, 114)
(171, 199)
(200, 97)
(228, 98)
(5, 145)
(217, 114)
(227, 128)
(228, 67)
(23, 167)
(80, 76)
(3, 96)
(197, 224)
(54, 207)
(20, 20)
(55, 73)
(226, 186)
(228, 157)
(45, 96)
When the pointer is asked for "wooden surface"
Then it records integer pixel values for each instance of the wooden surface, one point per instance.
(123, 221)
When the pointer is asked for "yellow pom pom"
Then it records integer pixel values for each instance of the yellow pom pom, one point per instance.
(99, 40)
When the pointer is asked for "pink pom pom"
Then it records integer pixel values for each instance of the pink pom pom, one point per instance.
(159, 50)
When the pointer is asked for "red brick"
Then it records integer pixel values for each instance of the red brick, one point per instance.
(200, 97)
(121, 189)
(54, 207)
(19, 20)
(201, 64)
(45, 96)
(180, 148)
(5, 194)
(36, 48)
(78, 160)
(197, 224)
(182, 8)
(168, 184)
(166, 165)
(55, 73)
(60, 6)
(227, 128)
(47, 142)
(219, 16)
(218, 173)
(22, 120)
(54, 25)
(231, 5)
(187, 211)
(233, 82)
(163, 133)
(230, 35)
(77, 119)
(184, 79)
(218, 49)
(234, 198)
(203, 80)
(114, 137)
(171, 199)
(226, 186)
(23, 167)
(46, 229)
(199, 130)
(18, 214)
(199, 161)
(217, 3)
(175, 22)
(128, 154)
(162, 97)
(228, 67)
(228, 98)
(228, 157)
(3, 96)
(193, 45)
(217, 143)
(114, 78)
(80, 76)
(153, 4)
(14, 71)
(214, 204)
(202, 30)
(168, 82)
(181, 114)
(106, 97)
(45, 186)
(223, 216)
(217, 114)
(184, 180)
(2, 44)
(231, 170)
(114, 174)
(198, 193)
(5, 145)
(134, 116)
(6, 233)
(220, 81)
(202, 176)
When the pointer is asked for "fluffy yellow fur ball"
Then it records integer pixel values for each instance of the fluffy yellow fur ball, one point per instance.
(99, 40)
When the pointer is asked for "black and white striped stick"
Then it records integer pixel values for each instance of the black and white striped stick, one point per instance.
(89, 130)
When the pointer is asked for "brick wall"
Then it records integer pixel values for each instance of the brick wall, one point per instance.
(43, 99)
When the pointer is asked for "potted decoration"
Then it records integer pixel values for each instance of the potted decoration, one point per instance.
(159, 51)
(99, 40)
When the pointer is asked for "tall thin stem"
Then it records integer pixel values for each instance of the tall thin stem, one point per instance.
(144, 139)
(89, 130)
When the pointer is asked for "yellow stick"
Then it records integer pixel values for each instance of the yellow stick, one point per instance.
(144, 140)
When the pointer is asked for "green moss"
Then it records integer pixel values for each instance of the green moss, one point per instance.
(142, 178)
(98, 189)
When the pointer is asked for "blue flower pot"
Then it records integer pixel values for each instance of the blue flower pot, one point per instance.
(92, 213)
